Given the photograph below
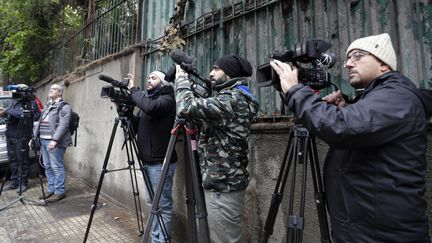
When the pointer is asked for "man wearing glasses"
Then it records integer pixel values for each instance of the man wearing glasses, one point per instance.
(374, 171)
(55, 137)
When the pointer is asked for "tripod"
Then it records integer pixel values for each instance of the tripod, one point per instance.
(196, 209)
(301, 149)
(124, 112)
(22, 156)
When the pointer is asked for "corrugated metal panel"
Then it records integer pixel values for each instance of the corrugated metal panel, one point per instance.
(254, 28)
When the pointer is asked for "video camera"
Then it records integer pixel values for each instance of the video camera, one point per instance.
(22, 92)
(118, 93)
(188, 64)
(310, 51)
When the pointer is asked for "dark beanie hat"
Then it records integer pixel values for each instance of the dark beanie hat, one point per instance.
(234, 66)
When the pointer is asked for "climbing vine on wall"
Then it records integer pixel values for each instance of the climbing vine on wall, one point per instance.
(174, 34)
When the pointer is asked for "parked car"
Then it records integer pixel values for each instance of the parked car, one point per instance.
(5, 101)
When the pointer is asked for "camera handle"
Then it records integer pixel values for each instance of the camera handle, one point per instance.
(301, 148)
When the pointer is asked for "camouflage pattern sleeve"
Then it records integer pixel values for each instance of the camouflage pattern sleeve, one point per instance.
(189, 106)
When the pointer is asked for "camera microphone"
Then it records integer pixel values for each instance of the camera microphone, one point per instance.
(180, 57)
(17, 87)
(114, 82)
(186, 62)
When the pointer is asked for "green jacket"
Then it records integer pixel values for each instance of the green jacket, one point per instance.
(224, 131)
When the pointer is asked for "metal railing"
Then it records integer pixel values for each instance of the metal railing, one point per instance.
(112, 30)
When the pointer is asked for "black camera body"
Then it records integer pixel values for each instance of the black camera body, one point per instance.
(116, 95)
(310, 51)
(25, 95)
(119, 94)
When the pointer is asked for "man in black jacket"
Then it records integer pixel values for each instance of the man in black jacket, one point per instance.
(156, 119)
(19, 125)
(375, 169)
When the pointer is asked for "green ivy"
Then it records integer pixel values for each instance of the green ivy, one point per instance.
(29, 31)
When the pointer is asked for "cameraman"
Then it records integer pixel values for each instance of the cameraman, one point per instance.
(156, 119)
(223, 141)
(19, 128)
(374, 171)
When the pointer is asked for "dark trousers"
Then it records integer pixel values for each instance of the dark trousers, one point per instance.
(18, 152)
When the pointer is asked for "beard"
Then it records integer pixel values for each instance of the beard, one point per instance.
(218, 81)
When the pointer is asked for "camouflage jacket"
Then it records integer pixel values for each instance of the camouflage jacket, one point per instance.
(224, 131)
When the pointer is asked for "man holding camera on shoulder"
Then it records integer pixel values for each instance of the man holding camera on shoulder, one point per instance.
(156, 119)
(223, 141)
(19, 126)
(55, 137)
(375, 169)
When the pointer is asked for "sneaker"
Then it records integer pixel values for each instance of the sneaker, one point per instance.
(55, 198)
(48, 195)
(23, 188)
(11, 186)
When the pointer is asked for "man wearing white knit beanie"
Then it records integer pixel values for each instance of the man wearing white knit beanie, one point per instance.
(375, 169)
(156, 119)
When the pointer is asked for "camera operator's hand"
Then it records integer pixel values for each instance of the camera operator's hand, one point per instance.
(180, 72)
(335, 98)
(131, 80)
(288, 75)
(52, 145)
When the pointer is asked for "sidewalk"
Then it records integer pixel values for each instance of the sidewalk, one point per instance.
(66, 220)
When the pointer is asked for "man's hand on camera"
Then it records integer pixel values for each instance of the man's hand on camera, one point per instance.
(2, 112)
(131, 80)
(288, 75)
(335, 98)
(180, 72)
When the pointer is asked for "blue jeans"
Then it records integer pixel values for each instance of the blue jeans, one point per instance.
(54, 167)
(165, 203)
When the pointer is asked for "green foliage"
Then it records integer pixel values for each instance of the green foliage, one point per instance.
(29, 31)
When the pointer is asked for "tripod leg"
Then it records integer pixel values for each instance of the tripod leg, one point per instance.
(156, 198)
(201, 213)
(278, 191)
(4, 181)
(293, 220)
(135, 192)
(39, 175)
(190, 198)
(104, 171)
(320, 199)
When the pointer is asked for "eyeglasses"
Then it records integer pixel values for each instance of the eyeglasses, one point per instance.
(356, 56)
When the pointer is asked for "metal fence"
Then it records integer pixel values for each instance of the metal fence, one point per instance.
(255, 28)
(112, 30)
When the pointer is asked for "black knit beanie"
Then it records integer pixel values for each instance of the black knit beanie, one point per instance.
(234, 66)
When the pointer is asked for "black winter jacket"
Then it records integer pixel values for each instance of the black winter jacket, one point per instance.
(156, 120)
(15, 127)
(374, 172)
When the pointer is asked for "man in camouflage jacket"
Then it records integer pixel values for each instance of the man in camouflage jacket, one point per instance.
(223, 141)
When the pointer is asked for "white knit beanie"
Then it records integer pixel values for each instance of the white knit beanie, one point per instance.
(378, 45)
(160, 75)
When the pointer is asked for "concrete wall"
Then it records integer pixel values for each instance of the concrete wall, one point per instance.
(267, 145)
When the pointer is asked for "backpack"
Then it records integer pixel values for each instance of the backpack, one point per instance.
(73, 120)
